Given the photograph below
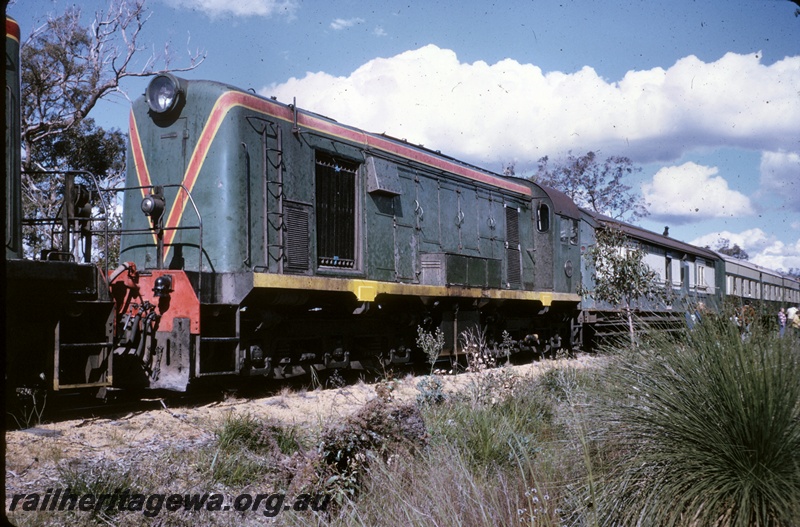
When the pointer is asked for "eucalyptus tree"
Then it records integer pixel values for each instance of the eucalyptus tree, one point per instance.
(595, 184)
(69, 63)
(621, 276)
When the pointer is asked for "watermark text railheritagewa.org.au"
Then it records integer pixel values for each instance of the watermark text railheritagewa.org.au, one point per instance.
(151, 505)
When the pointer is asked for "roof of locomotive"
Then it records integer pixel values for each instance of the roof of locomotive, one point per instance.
(562, 204)
(229, 97)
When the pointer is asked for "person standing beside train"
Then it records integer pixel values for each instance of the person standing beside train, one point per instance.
(781, 323)
(796, 321)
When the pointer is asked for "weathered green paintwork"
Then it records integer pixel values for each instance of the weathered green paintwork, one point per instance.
(406, 210)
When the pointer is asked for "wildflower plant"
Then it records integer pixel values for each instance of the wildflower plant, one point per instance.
(431, 343)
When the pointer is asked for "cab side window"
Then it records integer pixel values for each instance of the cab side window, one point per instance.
(543, 218)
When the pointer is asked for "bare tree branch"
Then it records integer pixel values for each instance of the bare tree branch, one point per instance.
(68, 67)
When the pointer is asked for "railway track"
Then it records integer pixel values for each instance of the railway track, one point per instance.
(31, 408)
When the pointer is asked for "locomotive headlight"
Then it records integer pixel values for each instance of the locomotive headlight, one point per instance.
(153, 205)
(163, 93)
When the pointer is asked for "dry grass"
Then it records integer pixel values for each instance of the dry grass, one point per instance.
(273, 445)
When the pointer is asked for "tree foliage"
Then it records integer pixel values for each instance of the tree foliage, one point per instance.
(594, 184)
(724, 247)
(84, 147)
(621, 276)
(67, 67)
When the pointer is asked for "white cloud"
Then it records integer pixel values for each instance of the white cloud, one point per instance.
(243, 8)
(341, 23)
(491, 114)
(779, 255)
(763, 249)
(691, 192)
(749, 240)
(495, 112)
(780, 174)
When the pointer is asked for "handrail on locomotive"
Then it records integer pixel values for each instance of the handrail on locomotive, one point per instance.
(76, 199)
(75, 219)
(155, 190)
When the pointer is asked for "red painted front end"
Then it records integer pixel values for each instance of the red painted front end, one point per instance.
(157, 330)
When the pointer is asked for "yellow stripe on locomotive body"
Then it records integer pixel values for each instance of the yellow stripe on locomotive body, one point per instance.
(200, 148)
(369, 290)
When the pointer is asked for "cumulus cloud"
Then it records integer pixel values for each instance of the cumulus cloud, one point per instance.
(780, 174)
(494, 112)
(341, 23)
(763, 249)
(692, 192)
(242, 8)
(750, 240)
(779, 255)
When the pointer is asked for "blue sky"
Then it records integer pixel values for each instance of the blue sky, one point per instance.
(703, 95)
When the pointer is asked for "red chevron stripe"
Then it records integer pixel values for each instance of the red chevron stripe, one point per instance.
(232, 99)
(139, 160)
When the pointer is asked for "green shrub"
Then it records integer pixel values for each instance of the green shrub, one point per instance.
(248, 448)
(431, 344)
(710, 432)
(378, 430)
(495, 422)
(431, 391)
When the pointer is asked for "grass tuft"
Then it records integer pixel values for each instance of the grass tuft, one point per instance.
(710, 432)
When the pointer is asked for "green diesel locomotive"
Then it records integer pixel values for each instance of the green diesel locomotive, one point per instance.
(289, 241)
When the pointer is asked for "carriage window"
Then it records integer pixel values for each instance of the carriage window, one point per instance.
(543, 218)
(336, 211)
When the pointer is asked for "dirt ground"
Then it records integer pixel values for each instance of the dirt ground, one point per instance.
(33, 456)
